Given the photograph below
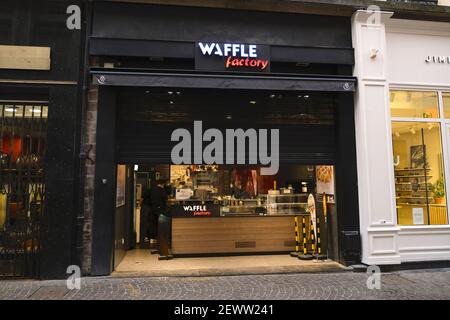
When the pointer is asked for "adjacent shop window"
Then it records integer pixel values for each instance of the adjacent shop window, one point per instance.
(446, 102)
(418, 159)
(414, 104)
(23, 140)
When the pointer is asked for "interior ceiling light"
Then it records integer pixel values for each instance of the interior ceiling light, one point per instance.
(252, 102)
(306, 96)
(229, 117)
(300, 96)
(10, 109)
(171, 102)
(170, 92)
(178, 92)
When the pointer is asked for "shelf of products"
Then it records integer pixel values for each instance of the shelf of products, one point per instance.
(413, 186)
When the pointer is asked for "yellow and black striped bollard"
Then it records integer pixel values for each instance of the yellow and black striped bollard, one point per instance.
(297, 239)
(319, 254)
(304, 255)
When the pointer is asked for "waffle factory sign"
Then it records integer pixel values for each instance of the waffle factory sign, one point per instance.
(232, 57)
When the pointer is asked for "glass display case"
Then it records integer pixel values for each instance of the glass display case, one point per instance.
(256, 206)
(287, 204)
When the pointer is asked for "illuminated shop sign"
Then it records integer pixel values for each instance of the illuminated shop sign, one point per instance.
(232, 57)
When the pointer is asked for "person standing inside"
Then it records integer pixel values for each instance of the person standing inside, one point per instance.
(158, 206)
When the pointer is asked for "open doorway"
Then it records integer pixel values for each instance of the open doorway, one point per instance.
(138, 129)
(211, 215)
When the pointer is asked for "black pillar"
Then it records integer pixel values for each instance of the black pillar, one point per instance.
(347, 182)
(105, 184)
(57, 224)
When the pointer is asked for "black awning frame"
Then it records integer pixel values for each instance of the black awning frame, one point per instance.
(221, 81)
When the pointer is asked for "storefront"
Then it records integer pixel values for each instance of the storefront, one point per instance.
(164, 74)
(40, 73)
(402, 138)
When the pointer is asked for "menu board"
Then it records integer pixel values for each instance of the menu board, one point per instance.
(325, 179)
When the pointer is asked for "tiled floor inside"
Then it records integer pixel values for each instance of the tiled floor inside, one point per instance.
(142, 262)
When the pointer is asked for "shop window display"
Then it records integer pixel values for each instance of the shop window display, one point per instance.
(418, 163)
(22, 189)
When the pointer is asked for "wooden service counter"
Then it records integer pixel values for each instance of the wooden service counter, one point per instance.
(233, 234)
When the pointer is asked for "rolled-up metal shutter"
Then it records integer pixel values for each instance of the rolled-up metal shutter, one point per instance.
(145, 124)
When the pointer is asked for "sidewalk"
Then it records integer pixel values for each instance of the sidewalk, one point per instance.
(418, 284)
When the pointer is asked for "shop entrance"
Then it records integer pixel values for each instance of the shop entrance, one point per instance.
(224, 209)
(225, 214)
(136, 128)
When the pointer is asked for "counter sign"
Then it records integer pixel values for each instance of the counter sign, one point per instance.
(232, 57)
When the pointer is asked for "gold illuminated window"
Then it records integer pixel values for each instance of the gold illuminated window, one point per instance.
(420, 190)
(414, 104)
(446, 102)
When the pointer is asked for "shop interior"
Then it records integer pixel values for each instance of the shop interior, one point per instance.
(418, 159)
(231, 211)
(182, 212)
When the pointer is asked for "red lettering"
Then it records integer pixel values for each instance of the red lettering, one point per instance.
(228, 62)
(203, 213)
(264, 64)
(247, 62)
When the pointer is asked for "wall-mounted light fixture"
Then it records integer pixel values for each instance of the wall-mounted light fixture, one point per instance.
(374, 53)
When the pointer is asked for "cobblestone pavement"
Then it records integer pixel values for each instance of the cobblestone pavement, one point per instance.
(417, 284)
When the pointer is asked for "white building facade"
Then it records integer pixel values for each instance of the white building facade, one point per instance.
(402, 115)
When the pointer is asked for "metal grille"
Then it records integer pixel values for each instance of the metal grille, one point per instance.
(23, 128)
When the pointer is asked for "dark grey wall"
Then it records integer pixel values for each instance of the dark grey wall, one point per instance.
(42, 23)
(57, 235)
(169, 23)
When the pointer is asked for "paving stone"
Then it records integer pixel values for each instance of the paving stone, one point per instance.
(417, 284)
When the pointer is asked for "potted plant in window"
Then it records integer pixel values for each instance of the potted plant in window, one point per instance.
(438, 190)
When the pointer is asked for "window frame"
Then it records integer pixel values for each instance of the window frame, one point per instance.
(444, 132)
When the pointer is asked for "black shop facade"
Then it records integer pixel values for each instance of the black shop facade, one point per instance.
(221, 132)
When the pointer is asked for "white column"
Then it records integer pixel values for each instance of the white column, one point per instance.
(373, 140)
